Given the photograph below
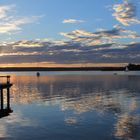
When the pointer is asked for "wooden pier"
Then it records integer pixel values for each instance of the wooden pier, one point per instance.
(5, 85)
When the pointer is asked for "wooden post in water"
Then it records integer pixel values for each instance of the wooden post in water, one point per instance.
(8, 98)
(2, 102)
(8, 93)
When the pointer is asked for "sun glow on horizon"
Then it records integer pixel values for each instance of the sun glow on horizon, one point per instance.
(47, 64)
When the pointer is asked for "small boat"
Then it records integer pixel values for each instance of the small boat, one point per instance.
(37, 74)
(115, 73)
(126, 69)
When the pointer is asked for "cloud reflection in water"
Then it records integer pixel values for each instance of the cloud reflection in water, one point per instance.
(77, 95)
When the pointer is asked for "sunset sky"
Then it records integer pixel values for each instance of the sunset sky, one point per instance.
(75, 32)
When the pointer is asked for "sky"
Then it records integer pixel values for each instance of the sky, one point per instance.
(69, 32)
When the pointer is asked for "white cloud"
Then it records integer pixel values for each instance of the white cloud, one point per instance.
(10, 23)
(101, 36)
(4, 10)
(125, 13)
(72, 21)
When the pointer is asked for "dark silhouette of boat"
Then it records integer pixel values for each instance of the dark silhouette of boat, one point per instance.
(37, 74)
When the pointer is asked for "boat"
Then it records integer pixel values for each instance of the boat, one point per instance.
(126, 69)
(37, 74)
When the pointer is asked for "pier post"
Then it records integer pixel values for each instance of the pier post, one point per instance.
(8, 79)
(2, 102)
(8, 98)
(8, 93)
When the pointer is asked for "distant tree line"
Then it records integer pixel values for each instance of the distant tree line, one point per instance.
(129, 67)
(133, 66)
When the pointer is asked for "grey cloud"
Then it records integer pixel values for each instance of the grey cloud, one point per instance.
(70, 52)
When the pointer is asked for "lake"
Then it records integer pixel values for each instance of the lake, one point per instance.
(73, 106)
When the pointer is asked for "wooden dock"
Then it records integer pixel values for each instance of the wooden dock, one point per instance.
(5, 85)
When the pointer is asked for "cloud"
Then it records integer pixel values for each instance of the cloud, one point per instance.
(4, 10)
(125, 13)
(27, 43)
(12, 23)
(71, 21)
(81, 46)
(102, 36)
(69, 52)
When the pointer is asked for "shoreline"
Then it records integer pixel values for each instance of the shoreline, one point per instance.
(62, 69)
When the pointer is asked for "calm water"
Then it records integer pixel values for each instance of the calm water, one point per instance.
(73, 106)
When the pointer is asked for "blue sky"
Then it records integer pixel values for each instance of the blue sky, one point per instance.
(72, 23)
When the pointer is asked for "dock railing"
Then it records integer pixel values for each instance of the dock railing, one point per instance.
(5, 79)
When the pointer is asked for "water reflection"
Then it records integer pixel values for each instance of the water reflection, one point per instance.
(12, 123)
(127, 126)
(114, 97)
